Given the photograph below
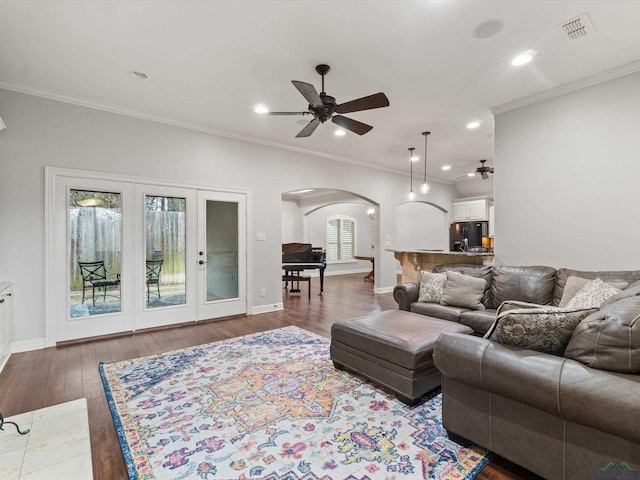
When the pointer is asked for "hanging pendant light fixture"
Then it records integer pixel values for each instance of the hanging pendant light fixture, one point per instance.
(425, 185)
(411, 160)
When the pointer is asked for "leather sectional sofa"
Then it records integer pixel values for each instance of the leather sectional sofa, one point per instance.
(539, 285)
(575, 416)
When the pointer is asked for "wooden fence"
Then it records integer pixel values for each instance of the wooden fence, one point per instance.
(95, 234)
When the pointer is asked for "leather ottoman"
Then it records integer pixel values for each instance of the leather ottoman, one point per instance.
(393, 348)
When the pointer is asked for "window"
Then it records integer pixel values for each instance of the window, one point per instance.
(341, 233)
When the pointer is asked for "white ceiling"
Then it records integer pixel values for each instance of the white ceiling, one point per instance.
(210, 62)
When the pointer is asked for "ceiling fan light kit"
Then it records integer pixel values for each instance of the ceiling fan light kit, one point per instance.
(324, 107)
(483, 170)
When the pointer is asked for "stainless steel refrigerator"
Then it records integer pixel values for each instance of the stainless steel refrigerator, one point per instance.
(471, 231)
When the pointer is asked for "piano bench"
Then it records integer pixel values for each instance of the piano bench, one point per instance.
(297, 279)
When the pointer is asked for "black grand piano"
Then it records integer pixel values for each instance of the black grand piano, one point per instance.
(297, 257)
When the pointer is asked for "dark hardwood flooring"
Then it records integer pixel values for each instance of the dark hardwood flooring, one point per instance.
(41, 378)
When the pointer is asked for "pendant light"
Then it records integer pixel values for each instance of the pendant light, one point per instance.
(411, 160)
(425, 184)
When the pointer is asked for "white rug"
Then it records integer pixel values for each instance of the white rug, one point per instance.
(56, 447)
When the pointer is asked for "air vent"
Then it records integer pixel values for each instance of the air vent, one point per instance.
(577, 27)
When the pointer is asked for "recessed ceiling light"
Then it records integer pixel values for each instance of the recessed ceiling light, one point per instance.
(523, 58)
(139, 75)
(260, 109)
(339, 133)
(488, 29)
(472, 125)
(471, 174)
(446, 167)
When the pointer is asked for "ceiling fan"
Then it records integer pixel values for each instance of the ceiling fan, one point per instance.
(324, 107)
(483, 170)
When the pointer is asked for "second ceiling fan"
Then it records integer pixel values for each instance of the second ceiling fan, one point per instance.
(324, 107)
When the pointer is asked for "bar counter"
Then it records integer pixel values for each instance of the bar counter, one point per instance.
(412, 261)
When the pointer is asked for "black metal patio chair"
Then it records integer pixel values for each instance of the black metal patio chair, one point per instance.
(95, 275)
(154, 267)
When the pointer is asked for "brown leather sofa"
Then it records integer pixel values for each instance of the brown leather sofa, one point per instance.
(541, 285)
(575, 416)
(558, 417)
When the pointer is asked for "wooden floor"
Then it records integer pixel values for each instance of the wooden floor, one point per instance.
(41, 378)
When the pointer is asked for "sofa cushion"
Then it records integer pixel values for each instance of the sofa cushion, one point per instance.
(431, 286)
(575, 284)
(480, 271)
(609, 276)
(609, 339)
(593, 294)
(463, 291)
(533, 284)
(479, 320)
(546, 330)
(436, 310)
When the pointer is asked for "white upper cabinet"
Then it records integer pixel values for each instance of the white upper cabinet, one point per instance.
(471, 209)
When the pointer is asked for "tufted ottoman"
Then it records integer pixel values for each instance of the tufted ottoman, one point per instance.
(393, 348)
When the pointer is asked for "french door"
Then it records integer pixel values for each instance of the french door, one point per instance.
(222, 257)
(131, 255)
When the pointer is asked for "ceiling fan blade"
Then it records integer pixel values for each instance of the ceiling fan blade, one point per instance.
(352, 125)
(377, 100)
(287, 113)
(309, 92)
(309, 129)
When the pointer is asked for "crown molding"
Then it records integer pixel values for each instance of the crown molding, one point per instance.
(121, 110)
(579, 84)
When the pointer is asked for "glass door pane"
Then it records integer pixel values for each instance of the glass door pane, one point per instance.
(165, 246)
(222, 250)
(94, 241)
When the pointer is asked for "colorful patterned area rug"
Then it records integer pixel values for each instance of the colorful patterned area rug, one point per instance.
(271, 406)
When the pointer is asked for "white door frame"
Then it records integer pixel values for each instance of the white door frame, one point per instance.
(51, 173)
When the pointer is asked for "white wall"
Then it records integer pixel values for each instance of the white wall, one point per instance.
(420, 225)
(43, 132)
(567, 179)
(291, 222)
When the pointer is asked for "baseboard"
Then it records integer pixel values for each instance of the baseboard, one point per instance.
(273, 307)
(28, 345)
(384, 289)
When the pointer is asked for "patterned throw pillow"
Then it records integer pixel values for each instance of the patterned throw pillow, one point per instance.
(431, 286)
(592, 295)
(575, 284)
(546, 330)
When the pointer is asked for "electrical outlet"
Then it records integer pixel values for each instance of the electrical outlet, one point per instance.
(263, 292)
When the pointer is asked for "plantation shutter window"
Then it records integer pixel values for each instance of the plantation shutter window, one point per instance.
(340, 239)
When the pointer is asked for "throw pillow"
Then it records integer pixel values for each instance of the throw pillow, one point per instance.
(593, 294)
(546, 330)
(431, 286)
(463, 291)
(575, 284)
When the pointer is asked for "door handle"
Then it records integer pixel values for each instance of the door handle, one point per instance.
(201, 262)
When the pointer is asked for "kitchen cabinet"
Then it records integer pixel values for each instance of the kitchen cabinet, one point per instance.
(6, 321)
(471, 209)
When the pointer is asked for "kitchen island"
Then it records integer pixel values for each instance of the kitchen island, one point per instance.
(412, 261)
